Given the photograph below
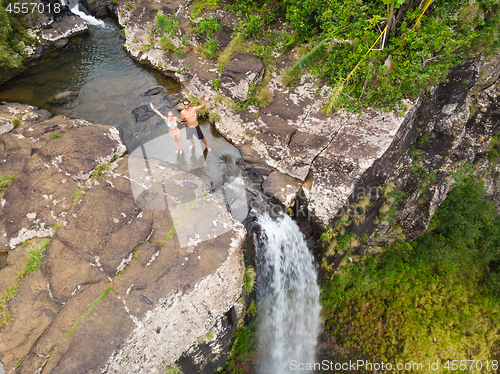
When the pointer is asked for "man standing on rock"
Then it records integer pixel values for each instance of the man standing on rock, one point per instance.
(188, 115)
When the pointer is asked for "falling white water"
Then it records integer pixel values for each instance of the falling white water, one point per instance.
(86, 17)
(288, 293)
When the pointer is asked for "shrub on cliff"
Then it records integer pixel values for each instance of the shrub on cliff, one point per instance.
(425, 40)
(13, 39)
(434, 298)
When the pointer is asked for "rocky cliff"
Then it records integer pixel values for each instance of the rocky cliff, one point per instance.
(120, 288)
(325, 167)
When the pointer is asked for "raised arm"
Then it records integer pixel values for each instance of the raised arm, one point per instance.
(157, 112)
(202, 104)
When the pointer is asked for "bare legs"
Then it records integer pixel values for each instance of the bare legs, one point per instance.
(178, 142)
(206, 145)
(204, 140)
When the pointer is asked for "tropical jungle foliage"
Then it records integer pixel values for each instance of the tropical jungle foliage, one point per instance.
(425, 39)
(13, 39)
(437, 297)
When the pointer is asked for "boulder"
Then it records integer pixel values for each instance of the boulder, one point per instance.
(282, 187)
(153, 91)
(61, 43)
(63, 97)
(142, 113)
(240, 74)
(63, 28)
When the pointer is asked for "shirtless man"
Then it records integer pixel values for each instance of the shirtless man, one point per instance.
(188, 115)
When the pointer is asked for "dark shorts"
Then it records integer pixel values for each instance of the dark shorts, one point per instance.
(191, 130)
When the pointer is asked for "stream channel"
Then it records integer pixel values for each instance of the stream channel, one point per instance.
(110, 86)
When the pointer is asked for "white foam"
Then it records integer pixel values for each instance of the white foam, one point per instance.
(91, 20)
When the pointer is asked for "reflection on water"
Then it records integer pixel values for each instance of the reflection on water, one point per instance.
(110, 85)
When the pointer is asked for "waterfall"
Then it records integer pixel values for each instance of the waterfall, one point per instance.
(86, 17)
(288, 296)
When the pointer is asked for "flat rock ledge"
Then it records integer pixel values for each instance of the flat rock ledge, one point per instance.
(64, 28)
(133, 278)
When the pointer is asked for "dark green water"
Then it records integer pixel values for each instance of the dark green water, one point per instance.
(110, 86)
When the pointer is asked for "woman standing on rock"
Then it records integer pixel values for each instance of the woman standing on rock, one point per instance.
(173, 130)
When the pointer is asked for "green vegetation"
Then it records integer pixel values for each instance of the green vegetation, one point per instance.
(15, 122)
(208, 337)
(145, 48)
(166, 44)
(494, 154)
(31, 265)
(213, 117)
(53, 135)
(434, 298)
(130, 6)
(216, 83)
(97, 173)
(249, 280)
(5, 181)
(13, 38)
(208, 27)
(79, 193)
(202, 5)
(426, 176)
(171, 233)
(166, 24)
(244, 348)
(210, 48)
(344, 44)
(173, 369)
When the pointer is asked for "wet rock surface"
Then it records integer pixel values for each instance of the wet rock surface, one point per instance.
(63, 97)
(142, 113)
(130, 305)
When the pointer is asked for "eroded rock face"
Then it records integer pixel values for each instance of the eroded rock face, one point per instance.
(130, 305)
(242, 72)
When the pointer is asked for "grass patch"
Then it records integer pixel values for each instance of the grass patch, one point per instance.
(31, 265)
(16, 122)
(144, 48)
(213, 117)
(201, 5)
(5, 181)
(100, 169)
(494, 147)
(167, 44)
(236, 45)
(173, 369)
(53, 135)
(78, 193)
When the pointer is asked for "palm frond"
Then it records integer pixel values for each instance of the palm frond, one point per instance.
(309, 57)
(332, 104)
